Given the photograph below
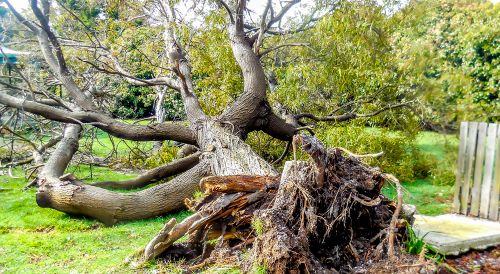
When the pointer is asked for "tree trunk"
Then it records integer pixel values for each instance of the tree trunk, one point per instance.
(159, 113)
(110, 207)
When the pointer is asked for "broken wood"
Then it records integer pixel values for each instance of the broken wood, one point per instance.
(237, 183)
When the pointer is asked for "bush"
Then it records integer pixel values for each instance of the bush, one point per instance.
(137, 160)
(424, 164)
(401, 157)
(444, 172)
(164, 156)
(135, 102)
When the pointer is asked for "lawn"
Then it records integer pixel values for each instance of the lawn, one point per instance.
(430, 199)
(38, 240)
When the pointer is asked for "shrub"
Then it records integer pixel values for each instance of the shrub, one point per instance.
(138, 160)
(401, 157)
(444, 172)
(164, 156)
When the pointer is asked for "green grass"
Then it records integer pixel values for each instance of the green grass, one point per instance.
(103, 145)
(436, 144)
(38, 240)
(428, 198)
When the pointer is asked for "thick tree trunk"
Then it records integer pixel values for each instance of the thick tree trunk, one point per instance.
(228, 154)
(111, 207)
(159, 113)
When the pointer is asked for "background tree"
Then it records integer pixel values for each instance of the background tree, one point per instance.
(451, 51)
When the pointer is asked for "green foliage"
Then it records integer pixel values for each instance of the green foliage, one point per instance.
(451, 51)
(164, 156)
(216, 74)
(400, 157)
(424, 156)
(415, 245)
(173, 106)
(259, 269)
(136, 158)
(4, 153)
(348, 57)
(135, 102)
(258, 226)
(444, 172)
(444, 149)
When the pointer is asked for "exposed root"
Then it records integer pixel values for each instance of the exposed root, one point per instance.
(395, 216)
(324, 216)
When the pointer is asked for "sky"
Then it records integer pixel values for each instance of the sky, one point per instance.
(255, 4)
(20, 4)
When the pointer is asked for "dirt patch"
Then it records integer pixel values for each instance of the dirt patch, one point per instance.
(476, 261)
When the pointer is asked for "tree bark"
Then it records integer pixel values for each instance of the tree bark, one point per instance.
(153, 132)
(112, 207)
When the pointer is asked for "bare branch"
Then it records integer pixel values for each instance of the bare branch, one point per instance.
(389, 107)
(158, 81)
(350, 115)
(263, 28)
(239, 20)
(47, 38)
(21, 18)
(282, 46)
(226, 7)
(20, 136)
(153, 132)
(181, 67)
(282, 12)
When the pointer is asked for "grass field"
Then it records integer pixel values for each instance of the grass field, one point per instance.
(37, 240)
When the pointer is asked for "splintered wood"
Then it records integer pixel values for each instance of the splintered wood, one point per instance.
(326, 215)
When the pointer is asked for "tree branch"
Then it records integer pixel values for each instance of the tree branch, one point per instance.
(57, 64)
(349, 115)
(226, 7)
(282, 12)
(153, 132)
(154, 175)
(158, 81)
(282, 46)
(181, 67)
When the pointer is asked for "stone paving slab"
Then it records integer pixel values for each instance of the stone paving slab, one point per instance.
(452, 234)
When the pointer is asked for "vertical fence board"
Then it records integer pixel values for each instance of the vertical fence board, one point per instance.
(493, 211)
(478, 170)
(470, 150)
(488, 170)
(460, 166)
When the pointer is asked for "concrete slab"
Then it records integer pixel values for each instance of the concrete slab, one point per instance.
(453, 234)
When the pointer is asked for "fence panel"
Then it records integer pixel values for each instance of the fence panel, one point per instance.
(477, 185)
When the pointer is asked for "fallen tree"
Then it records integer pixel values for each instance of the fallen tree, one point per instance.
(219, 139)
(321, 216)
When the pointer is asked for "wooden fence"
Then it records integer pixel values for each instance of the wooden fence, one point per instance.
(478, 171)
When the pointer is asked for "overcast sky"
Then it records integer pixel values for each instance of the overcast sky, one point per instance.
(254, 5)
